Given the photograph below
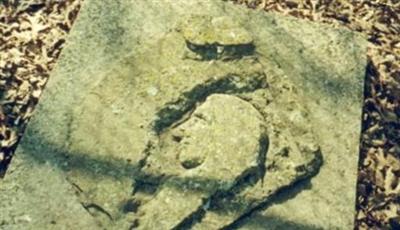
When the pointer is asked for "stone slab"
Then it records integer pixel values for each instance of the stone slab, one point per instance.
(131, 69)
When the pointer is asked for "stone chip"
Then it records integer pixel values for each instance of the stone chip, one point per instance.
(216, 37)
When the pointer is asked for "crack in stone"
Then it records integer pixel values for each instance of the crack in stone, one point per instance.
(92, 208)
(240, 204)
(265, 203)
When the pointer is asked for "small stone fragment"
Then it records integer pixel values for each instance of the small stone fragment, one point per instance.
(216, 38)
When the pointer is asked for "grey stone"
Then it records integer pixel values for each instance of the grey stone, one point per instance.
(216, 37)
(225, 151)
(119, 108)
(38, 197)
(133, 75)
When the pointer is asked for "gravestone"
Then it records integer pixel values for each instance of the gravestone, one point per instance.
(192, 115)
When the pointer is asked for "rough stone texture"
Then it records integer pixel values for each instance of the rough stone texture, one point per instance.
(39, 198)
(206, 30)
(129, 75)
(208, 153)
(290, 157)
(215, 37)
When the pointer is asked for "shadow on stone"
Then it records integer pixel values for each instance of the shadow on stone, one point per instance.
(175, 110)
(275, 223)
(40, 151)
(317, 79)
(282, 195)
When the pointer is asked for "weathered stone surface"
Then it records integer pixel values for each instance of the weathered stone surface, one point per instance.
(222, 146)
(206, 30)
(36, 196)
(120, 108)
(216, 37)
(133, 73)
(220, 150)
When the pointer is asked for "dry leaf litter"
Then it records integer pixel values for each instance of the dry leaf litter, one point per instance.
(32, 34)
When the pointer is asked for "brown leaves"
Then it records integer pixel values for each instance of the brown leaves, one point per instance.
(31, 36)
(383, 170)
